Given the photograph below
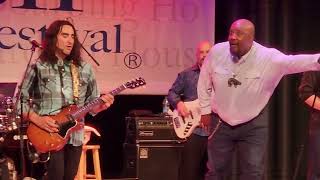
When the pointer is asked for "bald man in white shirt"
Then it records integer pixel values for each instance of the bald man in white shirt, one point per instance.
(236, 82)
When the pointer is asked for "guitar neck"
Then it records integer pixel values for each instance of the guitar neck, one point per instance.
(117, 90)
(81, 112)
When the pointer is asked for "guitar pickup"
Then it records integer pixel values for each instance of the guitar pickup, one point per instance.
(176, 122)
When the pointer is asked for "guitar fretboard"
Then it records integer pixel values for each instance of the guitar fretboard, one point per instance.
(117, 90)
(81, 112)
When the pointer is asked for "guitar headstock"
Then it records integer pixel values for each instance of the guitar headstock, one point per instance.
(135, 83)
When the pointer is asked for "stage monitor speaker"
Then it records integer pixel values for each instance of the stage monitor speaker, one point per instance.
(152, 161)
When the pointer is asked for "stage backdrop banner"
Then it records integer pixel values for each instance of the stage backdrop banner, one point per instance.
(152, 39)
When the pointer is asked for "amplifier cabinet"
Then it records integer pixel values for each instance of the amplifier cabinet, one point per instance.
(150, 129)
(151, 161)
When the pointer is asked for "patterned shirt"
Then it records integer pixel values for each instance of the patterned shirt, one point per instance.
(49, 94)
(240, 90)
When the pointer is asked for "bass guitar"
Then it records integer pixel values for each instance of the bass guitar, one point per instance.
(68, 120)
(183, 126)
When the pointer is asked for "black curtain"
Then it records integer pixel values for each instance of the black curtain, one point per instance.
(293, 27)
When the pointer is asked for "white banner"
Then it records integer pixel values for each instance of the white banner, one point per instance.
(152, 39)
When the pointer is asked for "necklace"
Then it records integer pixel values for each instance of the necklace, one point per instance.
(237, 66)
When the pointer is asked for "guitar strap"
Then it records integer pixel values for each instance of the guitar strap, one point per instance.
(75, 81)
(61, 70)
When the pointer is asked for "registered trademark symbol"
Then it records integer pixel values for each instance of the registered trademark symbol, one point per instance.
(132, 60)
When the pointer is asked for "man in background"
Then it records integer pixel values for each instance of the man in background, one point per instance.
(194, 152)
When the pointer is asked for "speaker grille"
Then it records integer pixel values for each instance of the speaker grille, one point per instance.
(152, 161)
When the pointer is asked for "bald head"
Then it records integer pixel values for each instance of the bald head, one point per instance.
(202, 51)
(245, 25)
(241, 37)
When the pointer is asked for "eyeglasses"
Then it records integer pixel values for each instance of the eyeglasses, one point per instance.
(234, 82)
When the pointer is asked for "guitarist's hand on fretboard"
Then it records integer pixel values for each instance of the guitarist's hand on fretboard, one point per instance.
(108, 100)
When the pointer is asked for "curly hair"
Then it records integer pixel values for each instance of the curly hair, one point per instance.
(50, 41)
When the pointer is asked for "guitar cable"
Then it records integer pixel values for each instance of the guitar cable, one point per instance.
(215, 129)
(35, 157)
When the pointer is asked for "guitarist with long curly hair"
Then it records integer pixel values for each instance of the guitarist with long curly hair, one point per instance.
(60, 79)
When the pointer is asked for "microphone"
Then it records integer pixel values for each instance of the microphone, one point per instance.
(35, 43)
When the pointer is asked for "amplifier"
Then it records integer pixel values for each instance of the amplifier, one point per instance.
(150, 129)
(152, 161)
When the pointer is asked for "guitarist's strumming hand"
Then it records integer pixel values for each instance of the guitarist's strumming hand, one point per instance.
(108, 101)
(182, 109)
(44, 122)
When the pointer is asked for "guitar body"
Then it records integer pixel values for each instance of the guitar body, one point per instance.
(44, 141)
(184, 126)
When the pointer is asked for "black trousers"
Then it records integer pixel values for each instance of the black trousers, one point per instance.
(249, 139)
(194, 158)
(63, 164)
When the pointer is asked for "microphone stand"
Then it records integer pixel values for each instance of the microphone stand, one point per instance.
(93, 59)
(19, 96)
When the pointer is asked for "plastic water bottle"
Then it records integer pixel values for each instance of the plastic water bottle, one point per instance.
(165, 106)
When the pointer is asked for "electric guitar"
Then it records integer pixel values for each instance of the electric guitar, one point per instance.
(69, 121)
(183, 126)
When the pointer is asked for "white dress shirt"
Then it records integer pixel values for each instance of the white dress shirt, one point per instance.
(259, 72)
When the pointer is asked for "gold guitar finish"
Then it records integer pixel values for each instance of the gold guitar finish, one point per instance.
(44, 141)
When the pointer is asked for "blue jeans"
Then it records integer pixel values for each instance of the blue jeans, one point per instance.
(249, 139)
